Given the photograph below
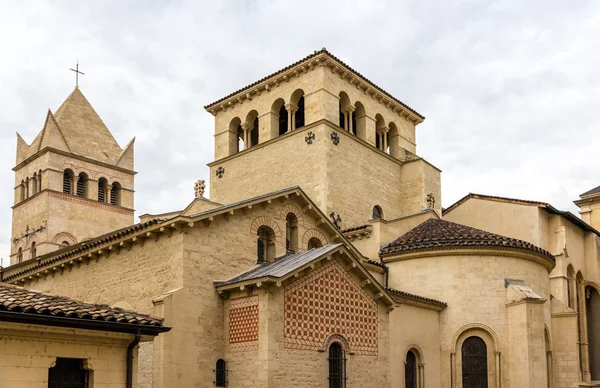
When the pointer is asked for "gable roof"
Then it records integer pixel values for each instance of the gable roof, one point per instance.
(281, 266)
(111, 240)
(20, 305)
(288, 266)
(436, 234)
(542, 205)
(324, 54)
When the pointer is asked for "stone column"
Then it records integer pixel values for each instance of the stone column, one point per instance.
(246, 128)
(349, 110)
(386, 130)
(584, 343)
(291, 109)
(107, 190)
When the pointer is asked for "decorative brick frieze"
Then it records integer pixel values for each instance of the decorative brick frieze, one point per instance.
(329, 301)
(243, 324)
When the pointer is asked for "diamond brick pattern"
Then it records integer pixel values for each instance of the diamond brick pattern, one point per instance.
(329, 301)
(243, 324)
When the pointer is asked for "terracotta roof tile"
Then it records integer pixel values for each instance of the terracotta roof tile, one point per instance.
(360, 227)
(415, 297)
(19, 300)
(595, 190)
(435, 234)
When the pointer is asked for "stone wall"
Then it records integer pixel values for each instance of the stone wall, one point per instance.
(27, 352)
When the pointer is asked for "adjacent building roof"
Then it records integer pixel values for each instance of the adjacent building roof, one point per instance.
(595, 190)
(20, 305)
(436, 234)
(416, 298)
(542, 205)
(322, 52)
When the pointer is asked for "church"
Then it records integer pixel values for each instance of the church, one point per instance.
(334, 267)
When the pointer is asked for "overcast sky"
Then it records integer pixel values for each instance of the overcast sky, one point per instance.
(510, 90)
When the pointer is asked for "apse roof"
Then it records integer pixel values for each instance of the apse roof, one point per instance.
(436, 234)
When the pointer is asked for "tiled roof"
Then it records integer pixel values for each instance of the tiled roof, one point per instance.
(415, 297)
(315, 54)
(63, 253)
(281, 266)
(435, 234)
(360, 227)
(595, 190)
(19, 300)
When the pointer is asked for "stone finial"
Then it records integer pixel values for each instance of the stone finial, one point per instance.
(199, 187)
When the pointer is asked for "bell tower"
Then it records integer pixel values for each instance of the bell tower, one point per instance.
(321, 125)
(72, 183)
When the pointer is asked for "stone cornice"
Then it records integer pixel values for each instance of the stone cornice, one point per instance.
(326, 122)
(319, 59)
(70, 155)
(473, 251)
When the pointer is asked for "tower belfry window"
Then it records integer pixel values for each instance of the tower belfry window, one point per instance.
(115, 194)
(283, 120)
(68, 182)
(299, 116)
(82, 184)
(102, 183)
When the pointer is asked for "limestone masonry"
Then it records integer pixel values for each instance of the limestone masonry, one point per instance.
(328, 263)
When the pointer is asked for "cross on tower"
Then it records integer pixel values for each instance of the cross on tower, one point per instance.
(77, 72)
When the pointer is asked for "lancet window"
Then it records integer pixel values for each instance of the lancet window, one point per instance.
(68, 181)
(337, 366)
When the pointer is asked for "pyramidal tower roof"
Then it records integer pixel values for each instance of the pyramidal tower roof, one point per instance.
(76, 128)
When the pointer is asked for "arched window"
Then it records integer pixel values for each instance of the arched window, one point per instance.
(265, 249)
(20, 255)
(592, 305)
(22, 189)
(360, 116)
(343, 108)
(64, 244)
(221, 373)
(82, 185)
(314, 242)
(410, 370)
(240, 138)
(39, 181)
(33, 250)
(377, 212)
(254, 133)
(68, 181)
(474, 363)
(34, 184)
(299, 120)
(115, 194)
(571, 287)
(337, 366)
(27, 187)
(283, 120)
(381, 133)
(393, 142)
(291, 233)
(102, 184)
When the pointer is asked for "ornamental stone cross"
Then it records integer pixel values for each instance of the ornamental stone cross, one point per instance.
(199, 187)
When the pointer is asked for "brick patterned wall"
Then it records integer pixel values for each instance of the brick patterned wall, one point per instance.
(329, 301)
(243, 324)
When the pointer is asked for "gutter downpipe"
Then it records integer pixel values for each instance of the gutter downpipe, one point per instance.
(130, 348)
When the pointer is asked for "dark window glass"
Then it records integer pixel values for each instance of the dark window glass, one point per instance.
(221, 374)
(410, 370)
(474, 363)
(68, 373)
(299, 116)
(337, 366)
